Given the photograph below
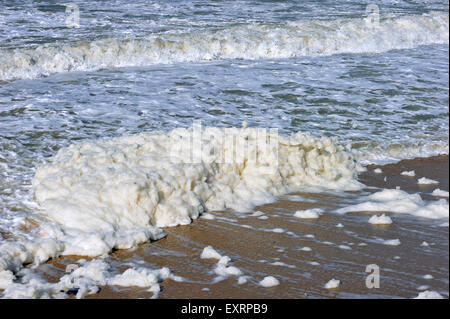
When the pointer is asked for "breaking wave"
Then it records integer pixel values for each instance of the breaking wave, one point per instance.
(252, 41)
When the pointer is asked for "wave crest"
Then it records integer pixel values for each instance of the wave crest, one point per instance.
(253, 41)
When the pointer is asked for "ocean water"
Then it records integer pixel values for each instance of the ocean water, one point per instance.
(372, 79)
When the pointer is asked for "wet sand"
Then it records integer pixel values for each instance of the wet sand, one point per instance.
(273, 247)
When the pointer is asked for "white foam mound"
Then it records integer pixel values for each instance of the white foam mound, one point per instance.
(398, 201)
(312, 213)
(115, 193)
(141, 277)
(223, 269)
(332, 284)
(439, 193)
(426, 181)
(408, 173)
(250, 41)
(429, 294)
(380, 220)
(210, 253)
(269, 281)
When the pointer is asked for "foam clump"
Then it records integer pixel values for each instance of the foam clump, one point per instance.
(312, 213)
(440, 193)
(408, 173)
(429, 294)
(242, 280)
(141, 277)
(380, 220)
(332, 284)
(269, 281)
(223, 268)
(14, 254)
(82, 279)
(391, 242)
(210, 253)
(426, 181)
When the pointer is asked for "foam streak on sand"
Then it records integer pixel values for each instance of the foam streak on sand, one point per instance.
(400, 202)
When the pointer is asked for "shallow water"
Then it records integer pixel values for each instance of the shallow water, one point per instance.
(156, 66)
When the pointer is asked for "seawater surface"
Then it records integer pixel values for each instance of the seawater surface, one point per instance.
(370, 91)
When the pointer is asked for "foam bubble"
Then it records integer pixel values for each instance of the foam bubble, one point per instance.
(429, 294)
(242, 280)
(439, 193)
(210, 253)
(140, 277)
(312, 213)
(408, 173)
(269, 281)
(332, 284)
(380, 220)
(426, 181)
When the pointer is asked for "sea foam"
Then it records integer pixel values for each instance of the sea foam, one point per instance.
(117, 193)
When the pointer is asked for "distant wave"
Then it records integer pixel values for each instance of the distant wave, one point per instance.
(252, 41)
